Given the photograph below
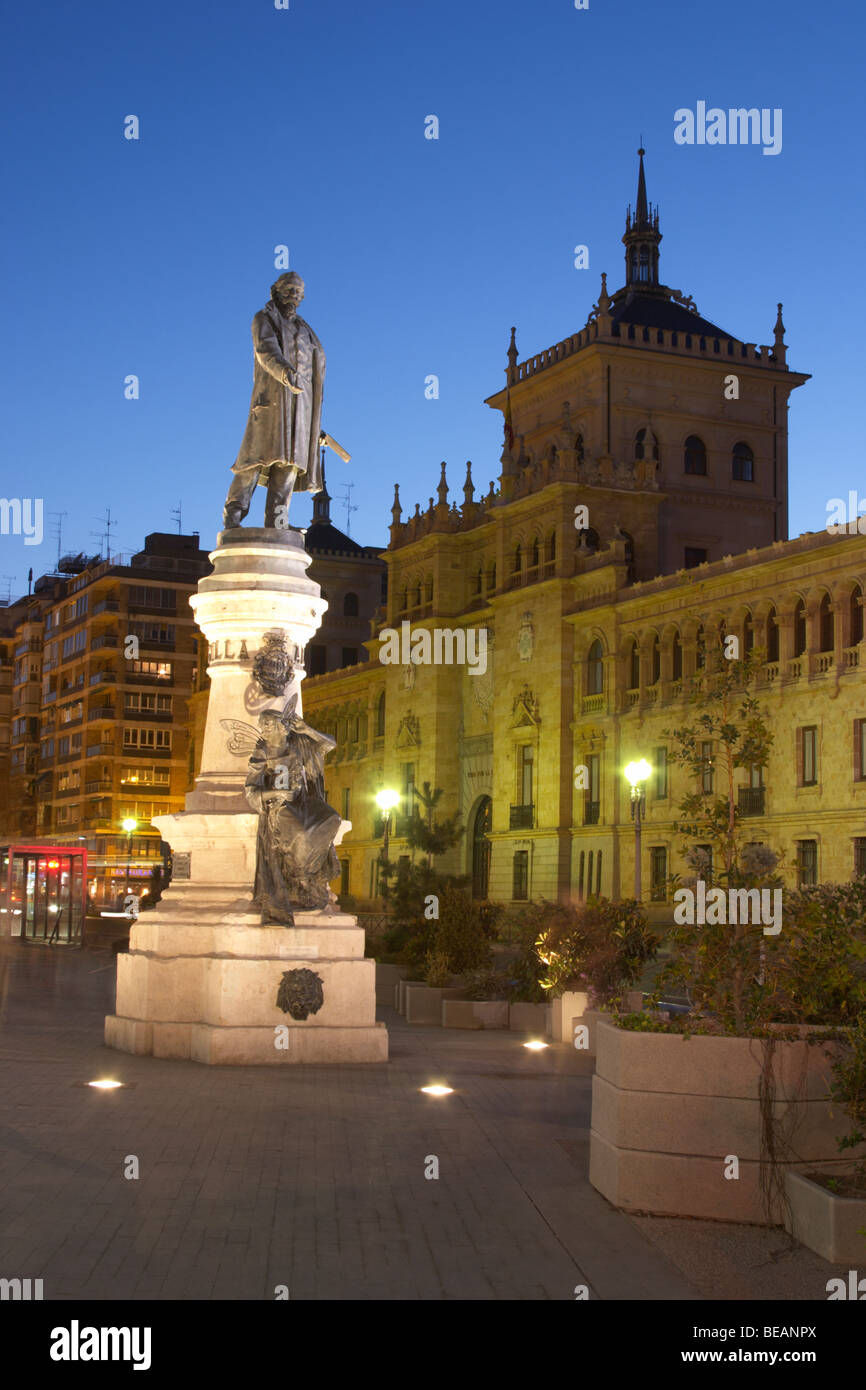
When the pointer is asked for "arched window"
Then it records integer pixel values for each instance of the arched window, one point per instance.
(476, 582)
(700, 649)
(748, 634)
(404, 598)
(428, 589)
(595, 669)
(535, 554)
(578, 444)
(656, 660)
(643, 264)
(634, 666)
(799, 628)
(743, 463)
(416, 595)
(677, 657)
(826, 626)
(380, 716)
(856, 614)
(481, 826)
(491, 576)
(772, 636)
(350, 606)
(550, 548)
(695, 457)
(517, 561)
(590, 539)
(646, 445)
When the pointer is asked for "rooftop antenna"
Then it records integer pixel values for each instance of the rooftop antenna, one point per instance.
(177, 515)
(105, 536)
(6, 598)
(349, 505)
(58, 532)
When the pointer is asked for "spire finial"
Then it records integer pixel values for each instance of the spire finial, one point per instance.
(468, 486)
(442, 489)
(396, 510)
(511, 369)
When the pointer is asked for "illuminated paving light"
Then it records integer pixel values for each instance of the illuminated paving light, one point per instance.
(438, 1090)
(535, 1045)
(105, 1085)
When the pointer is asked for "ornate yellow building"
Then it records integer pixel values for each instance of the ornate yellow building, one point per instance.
(641, 507)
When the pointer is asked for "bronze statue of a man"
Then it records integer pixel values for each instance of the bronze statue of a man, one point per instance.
(280, 448)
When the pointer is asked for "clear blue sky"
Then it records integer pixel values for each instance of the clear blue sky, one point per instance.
(306, 126)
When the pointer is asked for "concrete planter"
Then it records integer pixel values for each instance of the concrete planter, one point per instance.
(669, 1113)
(531, 1018)
(824, 1222)
(424, 1003)
(387, 979)
(563, 1011)
(400, 993)
(474, 1013)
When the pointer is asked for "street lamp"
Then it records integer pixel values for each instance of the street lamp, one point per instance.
(129, 826)
(636, 774)
(386, 801)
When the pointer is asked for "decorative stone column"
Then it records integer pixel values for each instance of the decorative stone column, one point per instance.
(203, 979)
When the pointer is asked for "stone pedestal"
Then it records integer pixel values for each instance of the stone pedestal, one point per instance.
(202, 979)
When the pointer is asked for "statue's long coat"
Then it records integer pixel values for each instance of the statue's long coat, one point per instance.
(282, 427)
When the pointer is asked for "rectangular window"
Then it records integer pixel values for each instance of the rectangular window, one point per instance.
(406, 805)
(580, 873)
(317, 659)
(693, 556)
(660, 765)
(598, 874)
(350, 656)
(860, 855)
(807, 863)
(62, 747)
(160, 633)
(525, 766)
(860, 750)
(592, 803)
(707, 768)
(520, 876)
(808, 755)
(658, 873)
(159, 670)
(347, 798)
(344, 877)
(704, 868)
(141, 596)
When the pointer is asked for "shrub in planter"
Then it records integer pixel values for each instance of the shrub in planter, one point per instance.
(462, 933)
(438, 972)
(600, 947)
(486, 984)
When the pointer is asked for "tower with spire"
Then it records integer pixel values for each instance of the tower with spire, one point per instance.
(642, 237)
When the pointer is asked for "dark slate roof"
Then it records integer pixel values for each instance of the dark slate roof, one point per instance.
(653, 311)
(325, 538)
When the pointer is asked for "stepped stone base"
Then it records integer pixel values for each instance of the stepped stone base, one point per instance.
(201, 978)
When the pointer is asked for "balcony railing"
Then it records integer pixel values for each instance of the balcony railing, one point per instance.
(750, 801)
(100, 750)
(103, 678)
(107, 640)
(521, 817)
(107, 605)
(591, 704)
(852, 658)
(93, 788)
(101, 712)
(823, 663)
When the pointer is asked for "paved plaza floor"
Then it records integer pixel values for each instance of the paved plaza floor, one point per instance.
(314, 1177)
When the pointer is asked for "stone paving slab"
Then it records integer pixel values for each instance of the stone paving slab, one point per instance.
(313, 1177)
